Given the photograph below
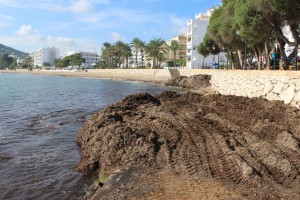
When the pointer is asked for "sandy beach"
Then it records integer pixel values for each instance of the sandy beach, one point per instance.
(156, 76)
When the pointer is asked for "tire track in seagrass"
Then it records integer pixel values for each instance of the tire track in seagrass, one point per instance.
(220, 166)
(267, 173)
(294, 159)
(244, 151)
(198, 148)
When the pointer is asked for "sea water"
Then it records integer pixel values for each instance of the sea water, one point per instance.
(40, 117)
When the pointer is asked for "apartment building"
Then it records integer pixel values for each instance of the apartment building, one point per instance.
(196, 30)
(181, 54)
(45, 55)
(139, 60)
(91, 58)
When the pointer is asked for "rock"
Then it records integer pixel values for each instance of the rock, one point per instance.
(279, 87)
(288, 95)
(268, 87)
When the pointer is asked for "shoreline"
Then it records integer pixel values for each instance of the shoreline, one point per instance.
(102, 74)
(149, 76)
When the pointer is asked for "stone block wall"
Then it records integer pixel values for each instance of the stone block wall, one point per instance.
(272, 85)
(282, 88)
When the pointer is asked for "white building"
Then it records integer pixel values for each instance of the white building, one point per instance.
(196, 30)
(91, 58)
(139, 60)
(45, 55)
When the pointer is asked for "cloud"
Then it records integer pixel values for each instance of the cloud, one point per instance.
(117, 36)
(5, 20)
(10, 3)
(61, 41)
(29, 32)
(75, 6)
(81, 6)
(100, 1)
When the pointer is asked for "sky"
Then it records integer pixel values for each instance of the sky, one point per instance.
(84, 25)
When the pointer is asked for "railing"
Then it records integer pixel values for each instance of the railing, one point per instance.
(292, 61)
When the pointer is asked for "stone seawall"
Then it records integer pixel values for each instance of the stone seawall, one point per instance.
(272, 85)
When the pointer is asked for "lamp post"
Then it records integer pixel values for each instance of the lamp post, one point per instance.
(245, 61)
(218, 60)
(296, 57)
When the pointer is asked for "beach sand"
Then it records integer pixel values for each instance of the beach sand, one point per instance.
(144, 75)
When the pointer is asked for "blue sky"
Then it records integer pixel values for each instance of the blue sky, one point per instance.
(86, 24)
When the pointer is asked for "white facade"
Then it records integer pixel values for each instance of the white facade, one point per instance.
(45, 55)
(196, 30)
(141, 59)
(91, 58)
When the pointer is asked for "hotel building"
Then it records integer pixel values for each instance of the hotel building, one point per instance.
(91, 58)
(182, 40)
(45, 55)
(196, 30)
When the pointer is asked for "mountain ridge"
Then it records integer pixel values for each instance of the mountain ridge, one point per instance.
(11, 51)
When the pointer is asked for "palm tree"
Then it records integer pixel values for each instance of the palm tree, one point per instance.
(135, 45)
(126, 53)
(138, 46)
(174, 47)
(119, 47)
(142, 47)
(154, 50)
(107, 54)
(123, 53)
(29, 62)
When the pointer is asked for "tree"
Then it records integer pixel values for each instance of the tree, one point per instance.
(208, 46)
(75, 59)
(155, 49)
(62, 63)
(135, 44)
(5, 61)
(202, 49)
(45, 64)
(29, 63)
(119, 47)
(126, 53)
(225, 32)
(107, 55)
(249, 22)
(142, 50)
(174, 47)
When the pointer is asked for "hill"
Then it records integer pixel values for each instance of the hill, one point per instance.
(11, 51)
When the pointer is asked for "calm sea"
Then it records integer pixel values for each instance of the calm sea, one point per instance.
(39, 120)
